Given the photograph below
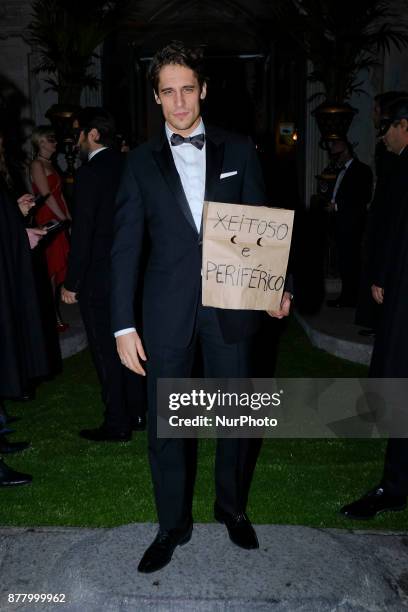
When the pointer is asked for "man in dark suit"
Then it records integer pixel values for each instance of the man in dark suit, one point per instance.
(390, 354)
(87, 278)
(351, 196)
(162, 191)
(368, 311)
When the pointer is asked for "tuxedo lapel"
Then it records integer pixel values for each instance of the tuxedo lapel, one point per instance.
(164, 160)
(214, 160)
(214, 157)
(346, 181)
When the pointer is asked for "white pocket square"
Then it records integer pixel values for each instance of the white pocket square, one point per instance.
(227, 174)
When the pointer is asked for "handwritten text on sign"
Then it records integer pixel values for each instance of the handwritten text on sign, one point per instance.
(245, 255)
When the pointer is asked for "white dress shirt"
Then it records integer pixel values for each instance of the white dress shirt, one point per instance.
(93, 153)
(191, 166)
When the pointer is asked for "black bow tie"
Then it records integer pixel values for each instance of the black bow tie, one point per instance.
(197, 141)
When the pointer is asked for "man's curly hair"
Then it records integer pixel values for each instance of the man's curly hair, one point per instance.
(177, 53)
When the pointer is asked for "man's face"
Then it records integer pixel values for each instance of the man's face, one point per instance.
(338, 151)
(396, 137)
(82, 142)
(179, 95)
(336, 147)
(83, 146)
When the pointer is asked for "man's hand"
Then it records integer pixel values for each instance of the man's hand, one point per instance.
(284, 307)
(130, 349)
(69, 297)
(377, 293)
(34, 235)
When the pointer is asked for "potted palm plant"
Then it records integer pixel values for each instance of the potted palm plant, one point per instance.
(341, 39)
(66, 33)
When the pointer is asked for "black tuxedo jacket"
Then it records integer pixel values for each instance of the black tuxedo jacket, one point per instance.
(354, 194)
(23, 354)
(151, 199)
(96, 186)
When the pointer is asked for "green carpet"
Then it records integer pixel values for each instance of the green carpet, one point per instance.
(102, 485)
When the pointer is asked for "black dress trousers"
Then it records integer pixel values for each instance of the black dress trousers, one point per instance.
(172, 466)
(123, 392)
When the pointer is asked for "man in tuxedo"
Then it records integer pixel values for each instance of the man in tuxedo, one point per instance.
(351, 196)
(162, 191)
(87, 278)
(368, 311)
(390, 353)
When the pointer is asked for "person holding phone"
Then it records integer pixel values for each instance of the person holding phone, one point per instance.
(47, 182)
(15, 187)
(23, 354)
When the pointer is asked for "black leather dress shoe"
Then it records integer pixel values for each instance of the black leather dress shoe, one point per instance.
(239, 528)
(372, 503)
(101, 434)
(139, 423)
(9, 477)
(7, 447)
(160, 552)
(28, 396)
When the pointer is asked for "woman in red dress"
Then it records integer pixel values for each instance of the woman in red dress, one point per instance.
(46, 180)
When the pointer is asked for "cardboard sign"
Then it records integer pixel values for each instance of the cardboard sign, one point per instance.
(245, 255)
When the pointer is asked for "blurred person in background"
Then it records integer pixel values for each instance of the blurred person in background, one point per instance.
(47, 182)
(390, 354)
(23, 355)
(15, 183)
(13, 172)
(87, 279)
(351, 197)
(368, 311)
